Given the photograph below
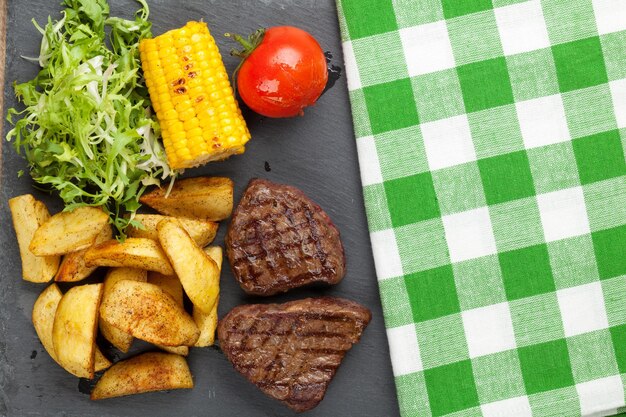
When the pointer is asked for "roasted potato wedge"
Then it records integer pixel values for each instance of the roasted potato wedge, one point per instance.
(73, 266)
(195, 269)
(43, 320)
(171, 285)
(68, 231)
(206, 198)
(44, 310)
(101, 362)
(168, 283)
(74, 329)
(202, 232)
(151, 371)
(177, 350)
(148, 313)
(28, 215)
(133, 253)
(215, 253)
(117, 337)
(207, 323)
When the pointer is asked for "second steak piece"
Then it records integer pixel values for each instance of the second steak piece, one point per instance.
(292, 351)
(279, 239)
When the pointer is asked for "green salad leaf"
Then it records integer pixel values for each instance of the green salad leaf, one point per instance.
(87, 129)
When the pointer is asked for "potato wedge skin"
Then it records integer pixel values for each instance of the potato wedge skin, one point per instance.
(73, 266)
(217, 254)
(201, 231)
(44, 309)
(43, 314)
(151, 371)
(148, 313)
(74, 329)
(134, 253)
(28, 215)
(195, 269)
(207, 323)
(177, 350)
(118, 338)
(68, 231)
(206, 198)
(101, 362)
(168, 283)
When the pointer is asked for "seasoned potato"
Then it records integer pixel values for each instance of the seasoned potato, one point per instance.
(68, 231)
(202, 232)
(207, 323)
(151, 371)
(44, 311)
(177, 350)
(171, 285)
(118, 338)
(28, 215)
(215, 253)
(73, 266)
(74, 329)
(101, 362)
(148, 313)
(168, 283)
(133, 253)
(196, 270)
(206, 198)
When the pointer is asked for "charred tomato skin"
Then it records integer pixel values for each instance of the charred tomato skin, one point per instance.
(284, 74)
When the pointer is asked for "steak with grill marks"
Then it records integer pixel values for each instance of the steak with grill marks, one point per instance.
(279, 239)
(291, 351)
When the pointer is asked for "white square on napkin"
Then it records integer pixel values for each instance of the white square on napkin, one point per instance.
(522, 27)
(563, 213)
(404, 350)
(582, 309)
(448, 142)
(488, 329)
(469, 234)
(427, 48)
(542, 121)
(600, 394)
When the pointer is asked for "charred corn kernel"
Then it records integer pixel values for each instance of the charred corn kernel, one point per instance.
(192, 97)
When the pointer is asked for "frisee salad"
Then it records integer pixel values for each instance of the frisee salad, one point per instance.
(87, 129)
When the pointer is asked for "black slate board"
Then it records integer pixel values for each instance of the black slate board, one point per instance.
(316, 153)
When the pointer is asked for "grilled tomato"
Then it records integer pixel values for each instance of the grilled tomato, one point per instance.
(283, 70)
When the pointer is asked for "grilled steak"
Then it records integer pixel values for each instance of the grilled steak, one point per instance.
(279, 239)
(291, 351)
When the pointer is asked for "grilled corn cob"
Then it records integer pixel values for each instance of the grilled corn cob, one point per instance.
(192, 97)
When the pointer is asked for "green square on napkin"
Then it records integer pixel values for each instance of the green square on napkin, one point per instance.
(491, 138)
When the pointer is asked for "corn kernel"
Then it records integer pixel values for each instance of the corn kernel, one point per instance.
(191, 124)
(186, 115)
(195, 132)
(169, 115)
(166, 105)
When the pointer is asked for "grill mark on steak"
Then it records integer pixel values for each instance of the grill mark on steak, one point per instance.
(292, 351)
(318, 244)
(284, 333)
(279, 239)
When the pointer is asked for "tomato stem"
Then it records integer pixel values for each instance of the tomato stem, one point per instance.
(246, 45)
(249, 45)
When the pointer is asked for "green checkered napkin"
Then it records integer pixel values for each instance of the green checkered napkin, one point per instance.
(491, 140)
